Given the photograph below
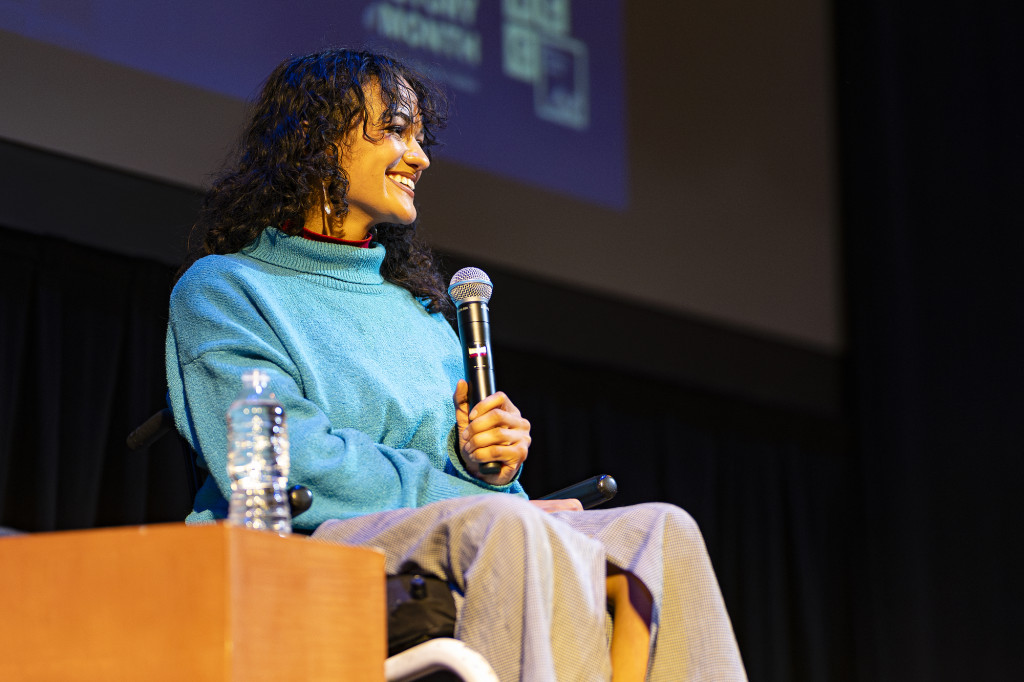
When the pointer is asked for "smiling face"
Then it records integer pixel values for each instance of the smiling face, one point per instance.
(383, 165)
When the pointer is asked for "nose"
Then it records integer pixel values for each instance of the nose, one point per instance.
(415, 156)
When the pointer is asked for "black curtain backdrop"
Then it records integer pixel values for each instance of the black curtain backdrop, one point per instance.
(930, 102)
(82, 350)
(81, 363)
(881, 544)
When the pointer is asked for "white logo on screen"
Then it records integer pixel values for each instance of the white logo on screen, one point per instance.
(537, 49)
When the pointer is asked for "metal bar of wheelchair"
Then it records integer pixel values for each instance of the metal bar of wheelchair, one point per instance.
(443, 653)
(591, 492)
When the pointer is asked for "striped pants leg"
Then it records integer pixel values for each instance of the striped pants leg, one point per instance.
(691, 634)
(533, 583)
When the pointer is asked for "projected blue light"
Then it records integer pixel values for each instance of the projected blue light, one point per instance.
(537, 84)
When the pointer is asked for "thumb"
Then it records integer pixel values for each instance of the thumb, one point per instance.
(461, 400)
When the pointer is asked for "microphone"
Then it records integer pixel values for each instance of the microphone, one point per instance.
(470, 290)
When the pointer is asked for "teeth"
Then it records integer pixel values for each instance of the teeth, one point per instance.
(402, 180)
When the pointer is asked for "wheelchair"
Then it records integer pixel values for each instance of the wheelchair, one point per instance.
(415, 650)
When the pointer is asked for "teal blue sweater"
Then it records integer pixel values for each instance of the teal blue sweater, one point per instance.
(364, 372)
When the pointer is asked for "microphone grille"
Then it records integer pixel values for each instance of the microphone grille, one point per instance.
(470, 284)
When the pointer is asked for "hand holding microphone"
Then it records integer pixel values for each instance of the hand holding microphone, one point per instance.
(497, 433)
(496, 441)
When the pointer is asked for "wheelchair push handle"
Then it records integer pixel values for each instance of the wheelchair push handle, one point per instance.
(591, 492)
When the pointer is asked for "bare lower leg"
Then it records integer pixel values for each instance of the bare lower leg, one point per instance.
(631, 605)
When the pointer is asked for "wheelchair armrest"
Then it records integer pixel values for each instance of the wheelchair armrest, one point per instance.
(151, 430)
(591, 492)
(300, 498)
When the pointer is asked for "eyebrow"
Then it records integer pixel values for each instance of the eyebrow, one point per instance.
(407, 116)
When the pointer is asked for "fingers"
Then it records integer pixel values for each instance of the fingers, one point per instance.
(494, 412)
(498, 435)
(495, 420)
(558, 505)
(494, 401)
(493, 431)
(510, 456)
(506, 445)
(503, 477)
(507, 441)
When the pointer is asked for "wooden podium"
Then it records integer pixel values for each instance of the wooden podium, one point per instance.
(196, 603)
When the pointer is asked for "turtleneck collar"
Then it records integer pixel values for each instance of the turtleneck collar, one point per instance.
(343, 263)
(361, 243)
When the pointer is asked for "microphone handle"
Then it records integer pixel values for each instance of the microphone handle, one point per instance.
(475, 335)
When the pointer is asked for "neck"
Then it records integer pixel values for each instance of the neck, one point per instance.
(316, 236)
(319, 222)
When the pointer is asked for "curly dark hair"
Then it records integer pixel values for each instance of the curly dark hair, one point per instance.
(290, 152)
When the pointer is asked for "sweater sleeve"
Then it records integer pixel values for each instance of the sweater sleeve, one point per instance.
(212, 339)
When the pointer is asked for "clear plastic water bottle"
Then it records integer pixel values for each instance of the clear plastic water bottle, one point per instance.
(258, 458)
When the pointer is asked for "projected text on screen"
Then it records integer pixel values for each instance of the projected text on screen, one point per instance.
(537, 84)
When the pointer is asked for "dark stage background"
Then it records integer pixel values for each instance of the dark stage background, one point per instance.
(860, 508)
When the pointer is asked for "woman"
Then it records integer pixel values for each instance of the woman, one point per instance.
(313, 273)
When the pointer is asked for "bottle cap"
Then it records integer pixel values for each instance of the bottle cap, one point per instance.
(256, 378)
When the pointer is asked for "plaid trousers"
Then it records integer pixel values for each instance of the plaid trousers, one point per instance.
(533, 583)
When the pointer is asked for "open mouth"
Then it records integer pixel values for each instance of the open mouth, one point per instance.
(403, 181)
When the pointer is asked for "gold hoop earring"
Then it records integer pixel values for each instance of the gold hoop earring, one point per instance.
(327, 212)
